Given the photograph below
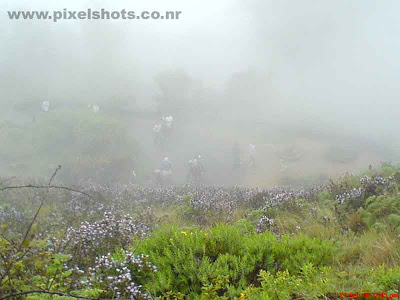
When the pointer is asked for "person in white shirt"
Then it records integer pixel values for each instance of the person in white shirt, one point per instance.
(157, 128)
(133, 178)
(169, 121)
(201, 164)
(95, 108)
(45, 106)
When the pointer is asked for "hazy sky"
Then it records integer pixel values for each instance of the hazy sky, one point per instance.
(331, 60)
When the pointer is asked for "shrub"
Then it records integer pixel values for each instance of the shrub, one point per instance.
(193, 261)
(383, 210)
(34, 267)
(387, 279)
(311, 283)
(292, 252)
(120, 275)
(101, 237)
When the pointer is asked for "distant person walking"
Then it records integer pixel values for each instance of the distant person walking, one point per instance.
(166, 167)
(196, 170)
(45, 106)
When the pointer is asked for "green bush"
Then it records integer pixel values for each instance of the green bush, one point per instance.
(193, 261)
(382, 211)
(292, 252)
(218, 262)
(386, 279)
(311, 283)
(33, 267)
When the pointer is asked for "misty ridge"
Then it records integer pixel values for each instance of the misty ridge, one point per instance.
(314, 79)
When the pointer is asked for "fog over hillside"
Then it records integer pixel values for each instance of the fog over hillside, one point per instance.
(313, 85)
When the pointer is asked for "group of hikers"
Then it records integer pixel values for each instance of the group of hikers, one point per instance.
(162, 133)
(195, 171)
(196, 167)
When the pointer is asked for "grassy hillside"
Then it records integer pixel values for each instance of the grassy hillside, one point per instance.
(187, 242)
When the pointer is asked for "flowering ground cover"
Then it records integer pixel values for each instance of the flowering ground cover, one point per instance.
(200, 242)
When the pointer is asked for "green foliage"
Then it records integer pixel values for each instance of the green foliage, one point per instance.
(387, 279)
(33, 267)
(292, 252)
(382, 211)
(195, 262)
(222, 261)
(311, 283)
(388, 169)
(84, 143)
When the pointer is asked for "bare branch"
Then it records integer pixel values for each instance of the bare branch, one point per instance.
(45, 187)
(54, 174)
(46, 292)
(40, 206)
